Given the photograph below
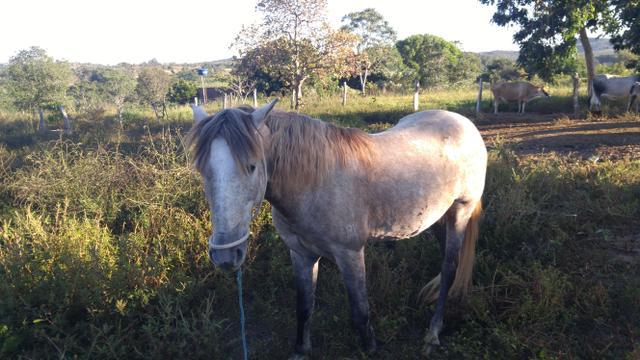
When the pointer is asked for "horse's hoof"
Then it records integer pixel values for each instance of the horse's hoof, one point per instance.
(431, 339)
(427, 350)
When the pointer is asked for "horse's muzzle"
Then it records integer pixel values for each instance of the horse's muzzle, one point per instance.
(227, 255)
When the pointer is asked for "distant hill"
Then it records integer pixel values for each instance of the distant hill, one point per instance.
(499, 54)
(602, 51)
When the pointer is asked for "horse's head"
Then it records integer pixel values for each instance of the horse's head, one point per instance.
(228, 151)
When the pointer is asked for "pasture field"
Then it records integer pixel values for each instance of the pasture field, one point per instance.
(103, 249)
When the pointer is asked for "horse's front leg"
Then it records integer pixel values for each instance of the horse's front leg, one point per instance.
(351, 264)
(305, 268)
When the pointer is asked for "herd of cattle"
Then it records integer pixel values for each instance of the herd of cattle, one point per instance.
(604, 86)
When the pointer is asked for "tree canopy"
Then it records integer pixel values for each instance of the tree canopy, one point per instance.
(36, 81)
(294, 41)
(374, 44)
(152, 88)
(626, 33)
(547, 31)
(436, 62)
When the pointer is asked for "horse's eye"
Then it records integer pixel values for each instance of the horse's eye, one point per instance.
(251, 169)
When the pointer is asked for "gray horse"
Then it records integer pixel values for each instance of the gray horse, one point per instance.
(333, 190)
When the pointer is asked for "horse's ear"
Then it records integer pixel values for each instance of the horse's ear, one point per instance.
(260, 114)
(198, 113)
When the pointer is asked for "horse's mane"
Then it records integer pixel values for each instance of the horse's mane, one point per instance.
(302, 152)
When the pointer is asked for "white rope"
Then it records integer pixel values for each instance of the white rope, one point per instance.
(229, 245)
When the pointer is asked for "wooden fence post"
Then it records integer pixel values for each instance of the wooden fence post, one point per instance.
(224, 101)
(479, 100)
(416, 104)
(344, 93)
(195, 100)
(255, 98)
(576, 104)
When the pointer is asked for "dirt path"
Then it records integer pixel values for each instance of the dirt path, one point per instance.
(611, 138)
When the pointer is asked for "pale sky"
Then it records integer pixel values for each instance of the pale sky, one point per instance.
(134, 31)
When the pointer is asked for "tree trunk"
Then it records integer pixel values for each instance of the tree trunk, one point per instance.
(576, 106)
(120, 115)
(155, 111)
(363, 81)
(41, 127)
(588, 57)
(298, 95)
(67, 123)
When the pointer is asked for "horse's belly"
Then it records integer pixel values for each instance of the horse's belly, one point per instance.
(402, 223)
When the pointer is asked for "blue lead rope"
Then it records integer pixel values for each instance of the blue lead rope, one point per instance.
(245, 349)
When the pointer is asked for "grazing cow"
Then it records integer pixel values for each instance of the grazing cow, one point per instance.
(521, 91)
(633, 94)
(610, 87)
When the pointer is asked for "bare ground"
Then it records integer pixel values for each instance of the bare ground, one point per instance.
(612, 138)
(606, 138)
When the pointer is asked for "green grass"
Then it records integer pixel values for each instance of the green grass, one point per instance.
(103, 255)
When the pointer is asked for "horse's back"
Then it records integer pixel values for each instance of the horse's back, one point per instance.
(438, 126)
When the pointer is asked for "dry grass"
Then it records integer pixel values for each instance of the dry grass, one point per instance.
(103, 255)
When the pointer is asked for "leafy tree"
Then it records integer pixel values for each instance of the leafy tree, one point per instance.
(182, 91)
(626, 32)
(375, 38)
(252, 67)
(152, 88)
(435, 61)
(96, 87)
(295, 42)
(36, 81)
(84, 90)
(548, 29)
(115, 85)
(502, 69)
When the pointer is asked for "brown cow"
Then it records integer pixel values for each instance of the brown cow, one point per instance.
(521, 91)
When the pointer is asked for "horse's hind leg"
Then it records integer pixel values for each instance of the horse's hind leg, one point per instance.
(305, 268)
(439, 230)
(351, 264)
(457, 219)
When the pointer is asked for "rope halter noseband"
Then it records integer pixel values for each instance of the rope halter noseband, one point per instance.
(229, 245)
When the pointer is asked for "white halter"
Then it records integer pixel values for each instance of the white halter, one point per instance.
(229, 245)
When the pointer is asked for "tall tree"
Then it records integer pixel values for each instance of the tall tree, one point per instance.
(36, 81)
(295, 42)
(626, 32)
(375, 39)
(548, 29)
(435, 61)
(116, 85)
(152, 88)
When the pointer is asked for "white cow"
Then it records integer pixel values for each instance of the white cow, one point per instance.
(633, 94)
(610, 87)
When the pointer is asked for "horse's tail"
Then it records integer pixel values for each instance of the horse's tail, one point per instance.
(466, 258)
